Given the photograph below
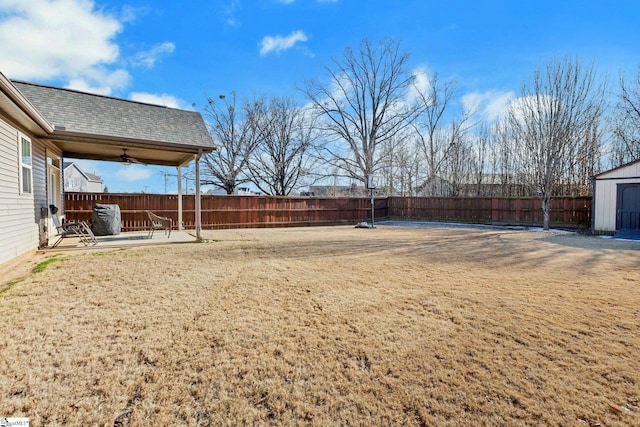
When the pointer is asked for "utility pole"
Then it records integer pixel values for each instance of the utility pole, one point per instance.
(166, 176)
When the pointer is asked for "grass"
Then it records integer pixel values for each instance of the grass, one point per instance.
(41, 266)
(9, 285)
(325, 326)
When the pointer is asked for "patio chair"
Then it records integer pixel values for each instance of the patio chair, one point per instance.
(157, 222)
(72, 228)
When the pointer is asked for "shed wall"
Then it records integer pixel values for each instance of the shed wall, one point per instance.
(604, 206)
(605, 195)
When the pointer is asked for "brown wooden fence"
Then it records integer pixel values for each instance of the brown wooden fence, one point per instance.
(227, 211)
(266, 211)
(566, 212)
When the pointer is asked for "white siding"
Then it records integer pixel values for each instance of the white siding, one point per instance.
(18, 224)
(94, 187)
(40, 190)
(604, 206)
(605, 196)
(74, 181)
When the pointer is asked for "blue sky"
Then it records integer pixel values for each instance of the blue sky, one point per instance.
(178, 53)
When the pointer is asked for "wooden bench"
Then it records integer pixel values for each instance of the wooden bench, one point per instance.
(157, 222)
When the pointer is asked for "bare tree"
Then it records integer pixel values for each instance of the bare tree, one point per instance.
(626, 126)
(363, 105)
(478, 168)
(552, 117)
(401, 160)
(435, 142)
(236, 135)
(509, 177)
(281, 159)
(457, 166)
(582, 163)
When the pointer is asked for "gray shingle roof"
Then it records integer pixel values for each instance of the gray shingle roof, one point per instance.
(98, 115)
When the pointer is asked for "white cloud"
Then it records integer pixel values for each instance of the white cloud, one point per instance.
(163, 99)
(230, 11)
(491, 104)
(72, 41)
(421, 83)
(317, 1)
(281, 43)
(100, 81)
(46, 39)
(149, 58)
(133, 173)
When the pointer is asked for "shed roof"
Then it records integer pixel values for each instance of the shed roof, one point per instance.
(616, 172)
(98, 127)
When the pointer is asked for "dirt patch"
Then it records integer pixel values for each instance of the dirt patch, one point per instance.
(327, 326)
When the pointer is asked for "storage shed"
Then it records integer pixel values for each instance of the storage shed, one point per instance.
(616, 200)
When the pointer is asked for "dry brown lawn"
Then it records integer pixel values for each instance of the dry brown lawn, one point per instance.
(330, 326)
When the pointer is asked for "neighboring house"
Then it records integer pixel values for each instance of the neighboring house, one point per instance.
(434, 187)
(77, 180)
(245, 191)
(42, 125)
(616, 200)
(216, 192)
(352, 190)
(239, 191)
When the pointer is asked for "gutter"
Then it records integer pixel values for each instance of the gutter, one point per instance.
(59, 133)
(23, 103)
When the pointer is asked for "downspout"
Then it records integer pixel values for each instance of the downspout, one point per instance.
(180, 224)
(198, 200)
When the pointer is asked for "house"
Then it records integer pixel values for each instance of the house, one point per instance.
(77, 180)
(352, 190)
(239, 191)
(245, 191)
(616, 200)
(42, 125)
(28, 165)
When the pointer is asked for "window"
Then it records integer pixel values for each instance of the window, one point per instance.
(25, 165)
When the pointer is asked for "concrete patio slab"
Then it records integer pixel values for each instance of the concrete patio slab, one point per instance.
(134, 238)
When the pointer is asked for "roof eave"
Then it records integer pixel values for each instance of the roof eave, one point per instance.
(596, 176)
(12, 92)
(59, 134)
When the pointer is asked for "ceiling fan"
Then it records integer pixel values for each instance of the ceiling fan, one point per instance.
(127, 159)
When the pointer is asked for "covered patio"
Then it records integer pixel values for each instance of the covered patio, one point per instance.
(127, 239)
(95, 127)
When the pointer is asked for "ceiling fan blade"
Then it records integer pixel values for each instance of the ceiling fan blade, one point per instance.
(127, 159)
(136, 161)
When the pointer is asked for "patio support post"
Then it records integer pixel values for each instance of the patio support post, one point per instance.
(198, 200)
(180, 225)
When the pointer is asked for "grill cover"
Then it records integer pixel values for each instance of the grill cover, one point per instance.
(105, 220)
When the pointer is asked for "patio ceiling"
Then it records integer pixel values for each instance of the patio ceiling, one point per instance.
(108, 148)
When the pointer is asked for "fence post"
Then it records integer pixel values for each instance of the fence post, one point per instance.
(495, 213)
(259, 211)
